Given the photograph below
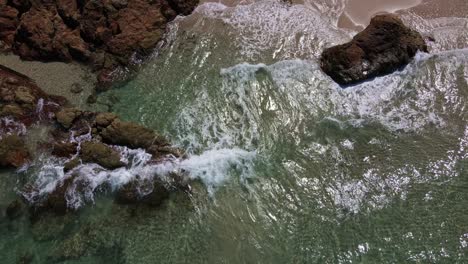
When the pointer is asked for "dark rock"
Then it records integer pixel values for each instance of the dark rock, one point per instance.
(131, 135)
(13, 152)
(383, 47)
(151, 192)
(64, 149)
(76, 88)
(101, 154)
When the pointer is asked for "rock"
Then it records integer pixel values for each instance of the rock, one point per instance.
(87, 31)
(131, 135)
(64, 149)
(70, 165)
(66, 116)
(105, 119)
(151, 192)
(96, 152)
(383, 47)
(76, 88)
(12, 110)
(23, 95)
(56, 200)
(13, 152)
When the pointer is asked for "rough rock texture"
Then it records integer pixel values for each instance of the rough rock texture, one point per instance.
(13, 152)
(103, 33)
(148, 192)
(77, 137)
(383, 47)
(101, 154)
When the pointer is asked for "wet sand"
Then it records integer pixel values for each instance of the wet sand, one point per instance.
(442, 8)
(357, 13)
(56, 78)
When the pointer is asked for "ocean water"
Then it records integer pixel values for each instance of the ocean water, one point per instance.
(290, 167)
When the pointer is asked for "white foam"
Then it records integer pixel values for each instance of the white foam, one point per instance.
(212, 167)
(8, 126)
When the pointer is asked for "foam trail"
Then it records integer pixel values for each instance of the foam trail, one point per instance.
(212, 167)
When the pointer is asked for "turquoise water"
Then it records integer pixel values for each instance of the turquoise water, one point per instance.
(291, 167)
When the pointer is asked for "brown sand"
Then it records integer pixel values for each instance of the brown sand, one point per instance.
(442, 8)
(358, 13)
(56, 78)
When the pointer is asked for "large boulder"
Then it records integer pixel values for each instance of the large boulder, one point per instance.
(99, 153)
(131, 135)
(383, 47)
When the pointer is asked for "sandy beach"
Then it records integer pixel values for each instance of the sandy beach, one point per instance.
(56, 78)
(358, 13)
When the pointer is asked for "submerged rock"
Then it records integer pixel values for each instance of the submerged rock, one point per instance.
(383, 47)
(144, 191)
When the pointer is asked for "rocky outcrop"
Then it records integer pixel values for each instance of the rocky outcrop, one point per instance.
(383, 47)
(104, 34)
(77, 137)
(13, 152)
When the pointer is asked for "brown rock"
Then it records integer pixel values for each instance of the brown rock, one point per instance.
(383, 47)
(66, 116)
(64, 149)
(151, 192)
(87, 31)
(105, 119)
(101, 154)
(13, 152)
(131, 135)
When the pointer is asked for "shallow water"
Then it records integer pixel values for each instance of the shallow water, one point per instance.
(292, 168)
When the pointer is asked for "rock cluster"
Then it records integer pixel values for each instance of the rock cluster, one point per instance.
(383, 47)
(23, 104)
(102, 33)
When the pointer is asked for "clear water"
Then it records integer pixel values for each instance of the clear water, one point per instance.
(292, 168)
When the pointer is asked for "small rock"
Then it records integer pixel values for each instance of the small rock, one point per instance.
(76, 88)
(70, 165)
(66, 116)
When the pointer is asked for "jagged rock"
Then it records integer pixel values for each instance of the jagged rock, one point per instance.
(151, 192)
(87, 31)
(101, 154)
(70, 165)
(383, 47)
(64, 149)
(20, 97)
(13, 152)
(105, 119)
(131, 135)
(66, 116)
